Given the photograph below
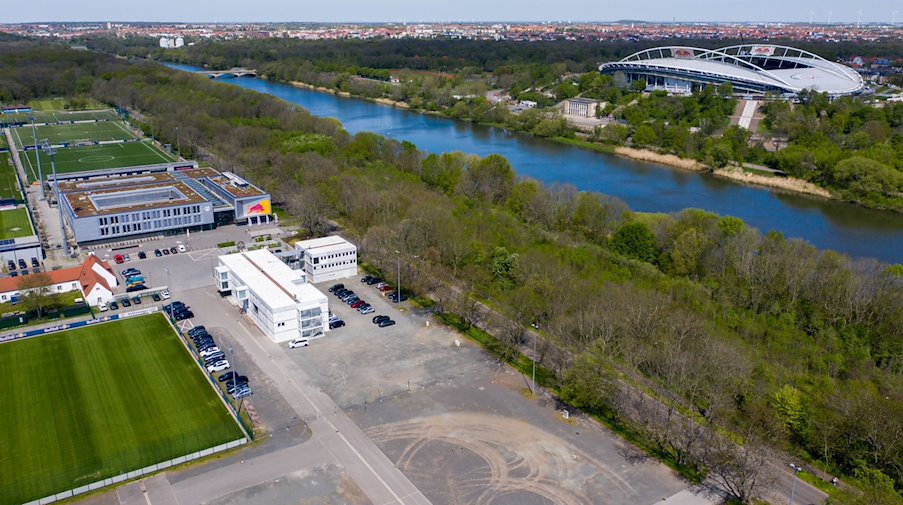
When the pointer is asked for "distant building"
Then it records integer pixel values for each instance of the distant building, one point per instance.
(94, 278)
(328, 258)
(278, 299)
(583, 107)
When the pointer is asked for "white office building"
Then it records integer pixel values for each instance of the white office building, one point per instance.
(328, 258)
(278, 299)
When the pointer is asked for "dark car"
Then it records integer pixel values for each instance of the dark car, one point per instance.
(373, 280)
(142, 255)
(157, 253)
(366, 278)
(35, 263)
(203, 340)
(395, 299)
(378, 319)
(336, 324)
(132, 289)
(386, 322)
(197, 329)
(25, 272)
(136, 300)
(181, 316)
(114, 306)
(165, 252)
(227, 376)
(173, 250)
(336, 287)
(174, 306)
(155, 297)
(205, 343)
(10, 265)
(13, 273)
(126, 303)
(22, 264)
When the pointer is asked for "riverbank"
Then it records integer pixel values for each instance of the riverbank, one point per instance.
(345, 94)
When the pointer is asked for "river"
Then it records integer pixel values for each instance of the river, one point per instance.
(645, 187)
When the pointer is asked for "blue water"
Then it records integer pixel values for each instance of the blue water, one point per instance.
(644, 186)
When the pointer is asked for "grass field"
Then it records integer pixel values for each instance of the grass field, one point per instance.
(15, 223)
(87, 404)
(54, 116)
(61, 134)
(78, 159)
(9, 185)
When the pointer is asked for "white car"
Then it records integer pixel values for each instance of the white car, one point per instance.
(381, 285)
(103, 307)
(208, 352)
(219, 366)
(299, 342)
(166, 295)
(366, 310)
(181, 248)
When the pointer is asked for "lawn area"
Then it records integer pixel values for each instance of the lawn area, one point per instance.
(92, 403)
(9, 185)
(15, 223)
(79, 159)
(61, 134)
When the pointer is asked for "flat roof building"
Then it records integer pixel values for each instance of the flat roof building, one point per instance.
(278, 299)
(328, 258)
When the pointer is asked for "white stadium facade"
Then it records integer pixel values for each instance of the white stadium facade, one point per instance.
(749, 68)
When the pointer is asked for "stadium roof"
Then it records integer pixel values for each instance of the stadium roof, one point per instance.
(749, 68)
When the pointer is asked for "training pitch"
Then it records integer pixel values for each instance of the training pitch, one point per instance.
(14, 223)
(9, 183)
(83, 405)
(62, 134)
(80, 159)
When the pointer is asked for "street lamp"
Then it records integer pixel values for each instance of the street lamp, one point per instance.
(796, 470)
(535, 336)
(168, 281)
(178, 147)
(398, 293)
(56, 186)
(34, 136)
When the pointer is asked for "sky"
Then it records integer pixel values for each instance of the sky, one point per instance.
(451, 10)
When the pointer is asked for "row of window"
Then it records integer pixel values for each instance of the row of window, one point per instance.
(150, 214)
(59, 288)
(316, 260)
(336, 264)
(150, 225)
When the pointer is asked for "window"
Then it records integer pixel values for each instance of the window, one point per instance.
(280, 324)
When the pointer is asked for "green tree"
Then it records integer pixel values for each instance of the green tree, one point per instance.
(875, 488)
(644, 135)
(35, 294)
(790, 407)
(635, 240)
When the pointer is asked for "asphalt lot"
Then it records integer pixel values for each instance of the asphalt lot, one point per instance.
(462, 426)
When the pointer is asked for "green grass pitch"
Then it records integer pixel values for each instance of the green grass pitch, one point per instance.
(15, 223)
(91, 403)
(80, 159)
(9, 183)
(60, 134)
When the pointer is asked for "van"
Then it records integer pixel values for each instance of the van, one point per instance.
(299, 342)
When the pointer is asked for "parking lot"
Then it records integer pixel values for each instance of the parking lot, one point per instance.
(460, 425)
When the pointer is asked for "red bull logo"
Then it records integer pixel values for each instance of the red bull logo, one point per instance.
(260, 208)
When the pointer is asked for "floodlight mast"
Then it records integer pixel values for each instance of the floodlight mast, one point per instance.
(34, 136)
(56, 186)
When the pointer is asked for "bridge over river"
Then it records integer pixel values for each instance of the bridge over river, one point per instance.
(232, 72)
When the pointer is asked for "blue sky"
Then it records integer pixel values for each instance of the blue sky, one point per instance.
(445, 10)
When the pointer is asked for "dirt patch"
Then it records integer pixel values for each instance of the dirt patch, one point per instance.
(507, 457)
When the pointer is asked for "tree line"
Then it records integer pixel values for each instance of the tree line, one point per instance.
(735, 330)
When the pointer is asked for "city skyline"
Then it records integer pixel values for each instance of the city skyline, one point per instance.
(411, 11)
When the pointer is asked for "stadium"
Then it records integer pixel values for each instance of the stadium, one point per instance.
(755, 69)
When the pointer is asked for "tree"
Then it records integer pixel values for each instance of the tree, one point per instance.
(36, 295)
(635, 240)
(644, 135)
(875, 488)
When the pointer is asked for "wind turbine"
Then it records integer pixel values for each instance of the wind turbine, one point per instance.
(811, 13)
(858, 18)
(829, 16)
(893, 18)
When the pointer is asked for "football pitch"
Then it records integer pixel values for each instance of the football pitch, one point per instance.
(14, 223)
(79, 159)
(62, 134)
(83, 405)
(9, 183)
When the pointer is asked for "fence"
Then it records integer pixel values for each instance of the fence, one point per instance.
(138, 473)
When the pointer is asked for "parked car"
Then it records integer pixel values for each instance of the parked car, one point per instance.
(336, 287)
(165, 294)
(119, 259)
(13, 274)
(125, 302)
(25, 272)
(181, 248)
(218, 366)
(10, 265)
(173, 250)
(380, 318)
(336, 324)
(35, 263)
(380, 285)
(366, 278)
(197, 329)
(214, 357)
(227, 376)
(22, 265)
(132, 289)
(299, 342)
(126, 258)
(374, 280)
(165, 252)
(358, 304)
(142, 255)
(155, 297)
(366, 309)
(394, 297)
(157, 253)
(386, 322)
(114, 305)
(386, 288)
(241, 393)
(129, 272)
(181, 316)
(136, 300)
(209, 351)
(102, 307)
